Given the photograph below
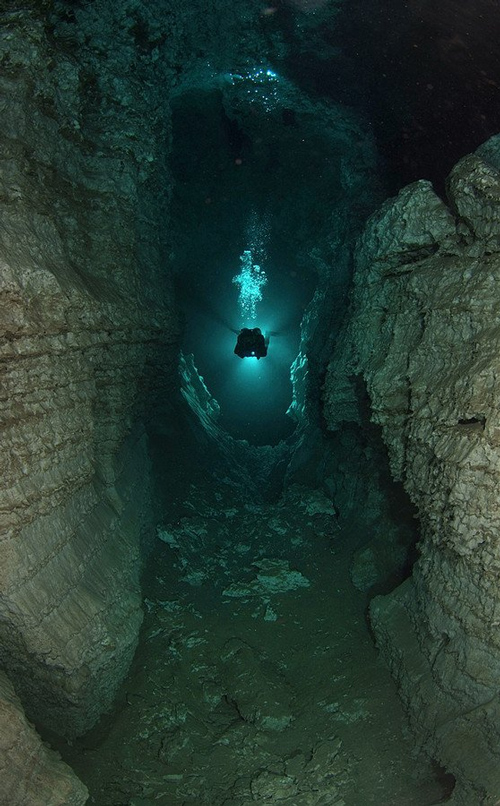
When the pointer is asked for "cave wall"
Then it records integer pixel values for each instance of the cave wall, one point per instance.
(89, 330)
(86, 314)
(423, 336)
(31, 773)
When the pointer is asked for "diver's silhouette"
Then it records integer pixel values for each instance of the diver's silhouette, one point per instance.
(251, 342)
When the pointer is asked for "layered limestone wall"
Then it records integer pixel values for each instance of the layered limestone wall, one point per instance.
(424, 337)
(31, 773)
(89, 335)
(88, 338)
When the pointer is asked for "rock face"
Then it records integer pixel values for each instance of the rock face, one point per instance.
(89, 334)
(425, 340)
(31, 774)
(88, 339)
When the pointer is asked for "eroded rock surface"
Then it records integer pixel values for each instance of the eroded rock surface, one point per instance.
(425, 340)
(31, 773)
(88, 330)
(80, 338)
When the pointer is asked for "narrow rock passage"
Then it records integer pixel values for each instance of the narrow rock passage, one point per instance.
(256, 679)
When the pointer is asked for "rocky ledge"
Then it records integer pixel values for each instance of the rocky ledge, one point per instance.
(423, 339)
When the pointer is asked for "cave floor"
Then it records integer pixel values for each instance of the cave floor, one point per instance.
(256, 678)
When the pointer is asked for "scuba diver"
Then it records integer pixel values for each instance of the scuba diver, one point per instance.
(251, 343)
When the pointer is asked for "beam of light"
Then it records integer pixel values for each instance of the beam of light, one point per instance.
(250, 280)
(253, 394)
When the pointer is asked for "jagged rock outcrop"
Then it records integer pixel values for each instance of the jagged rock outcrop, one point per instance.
(31, 773)
(424, 337)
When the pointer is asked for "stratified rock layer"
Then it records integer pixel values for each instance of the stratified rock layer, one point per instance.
(86, 315)
(88, 329)
(88, 340)
(31, 773)
(425, 337)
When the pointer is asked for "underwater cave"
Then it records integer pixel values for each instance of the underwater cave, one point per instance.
(249, 310)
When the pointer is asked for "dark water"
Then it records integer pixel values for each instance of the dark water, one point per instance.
(426, 75)
(421, 78)
(234, 190)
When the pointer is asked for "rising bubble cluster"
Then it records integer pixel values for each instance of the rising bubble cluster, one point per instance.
(251, 281)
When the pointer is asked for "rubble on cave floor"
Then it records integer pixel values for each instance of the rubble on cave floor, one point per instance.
(256, 680)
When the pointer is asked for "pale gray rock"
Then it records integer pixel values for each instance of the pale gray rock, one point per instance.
(31, 773)
(490, 151)
(411, 228)
(80, 335)
(474, 192)
(424, 341)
